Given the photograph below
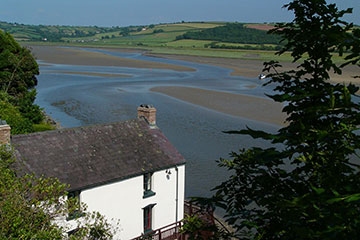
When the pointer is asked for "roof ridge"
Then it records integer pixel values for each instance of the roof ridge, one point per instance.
(62, 130)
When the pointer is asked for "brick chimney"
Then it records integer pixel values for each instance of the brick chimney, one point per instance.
(4, 132)
(148, 112)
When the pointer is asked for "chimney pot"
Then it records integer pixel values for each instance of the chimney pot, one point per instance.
(4, 133)
(148, 112)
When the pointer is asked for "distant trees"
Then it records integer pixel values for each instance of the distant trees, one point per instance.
(219, 45)
(233, 33)
(307, 185)
(158, 30)
(53, 33)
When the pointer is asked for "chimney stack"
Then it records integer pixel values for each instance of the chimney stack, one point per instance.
(4, 133)
(148, 112)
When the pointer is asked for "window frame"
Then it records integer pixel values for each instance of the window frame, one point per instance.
(148, 185)
(148, 217)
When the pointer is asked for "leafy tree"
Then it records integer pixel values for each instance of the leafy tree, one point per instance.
(35, 208)
(12, 115)
(309, 188)
(18, 68)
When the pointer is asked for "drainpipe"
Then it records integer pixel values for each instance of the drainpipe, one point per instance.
(177, 193)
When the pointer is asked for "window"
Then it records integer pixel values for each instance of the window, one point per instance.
(75, 211)
(148, 218)
(148, 185)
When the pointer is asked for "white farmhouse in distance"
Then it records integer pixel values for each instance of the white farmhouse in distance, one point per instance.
(126, 170)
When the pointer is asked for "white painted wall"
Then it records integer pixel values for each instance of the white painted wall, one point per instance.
(124, 201)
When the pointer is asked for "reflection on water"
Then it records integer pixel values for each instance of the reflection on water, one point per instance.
(77, 100)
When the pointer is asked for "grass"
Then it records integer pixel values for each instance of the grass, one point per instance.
(224, 53)
(200, 25)
(188, 43)
(165, 43)
(158, 48)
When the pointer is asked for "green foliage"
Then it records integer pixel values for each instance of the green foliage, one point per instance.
(30, 207)
(193, 226)
(49, 33)
(158, 30)
(18, 70)
(12, 115)
(234, 33)
(43, 127)
(309, 187)
(27, 107)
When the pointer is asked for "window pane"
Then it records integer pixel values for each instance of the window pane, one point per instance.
(147, 181)
(147, 218)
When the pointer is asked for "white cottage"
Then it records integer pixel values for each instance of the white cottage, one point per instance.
(126, 170)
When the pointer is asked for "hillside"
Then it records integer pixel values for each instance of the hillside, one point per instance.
(163, 35)
(159, 38)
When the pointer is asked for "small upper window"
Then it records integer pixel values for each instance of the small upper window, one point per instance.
(148, 185)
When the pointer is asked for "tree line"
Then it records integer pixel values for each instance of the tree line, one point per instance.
(232, 33)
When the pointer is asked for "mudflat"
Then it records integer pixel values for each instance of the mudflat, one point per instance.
(246, 106)
(74, 56)
(252, 68)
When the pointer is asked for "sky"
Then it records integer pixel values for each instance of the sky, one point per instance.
(143, 12)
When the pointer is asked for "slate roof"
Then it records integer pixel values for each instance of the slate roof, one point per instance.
(86, 157)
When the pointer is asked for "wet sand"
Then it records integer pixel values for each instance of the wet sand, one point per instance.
(71, 56)
(239, 67)
(250, 107)
(252, 68)
(93, 74)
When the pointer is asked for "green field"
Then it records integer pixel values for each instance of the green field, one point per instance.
(163, 41)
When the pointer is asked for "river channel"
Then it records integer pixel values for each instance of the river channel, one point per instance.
(197, 132)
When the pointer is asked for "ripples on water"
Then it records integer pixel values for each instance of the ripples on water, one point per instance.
(77, 100)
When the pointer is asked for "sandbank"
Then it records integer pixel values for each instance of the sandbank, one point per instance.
(74, 56)
(252, 68)
(93, 74)
(250, 107)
